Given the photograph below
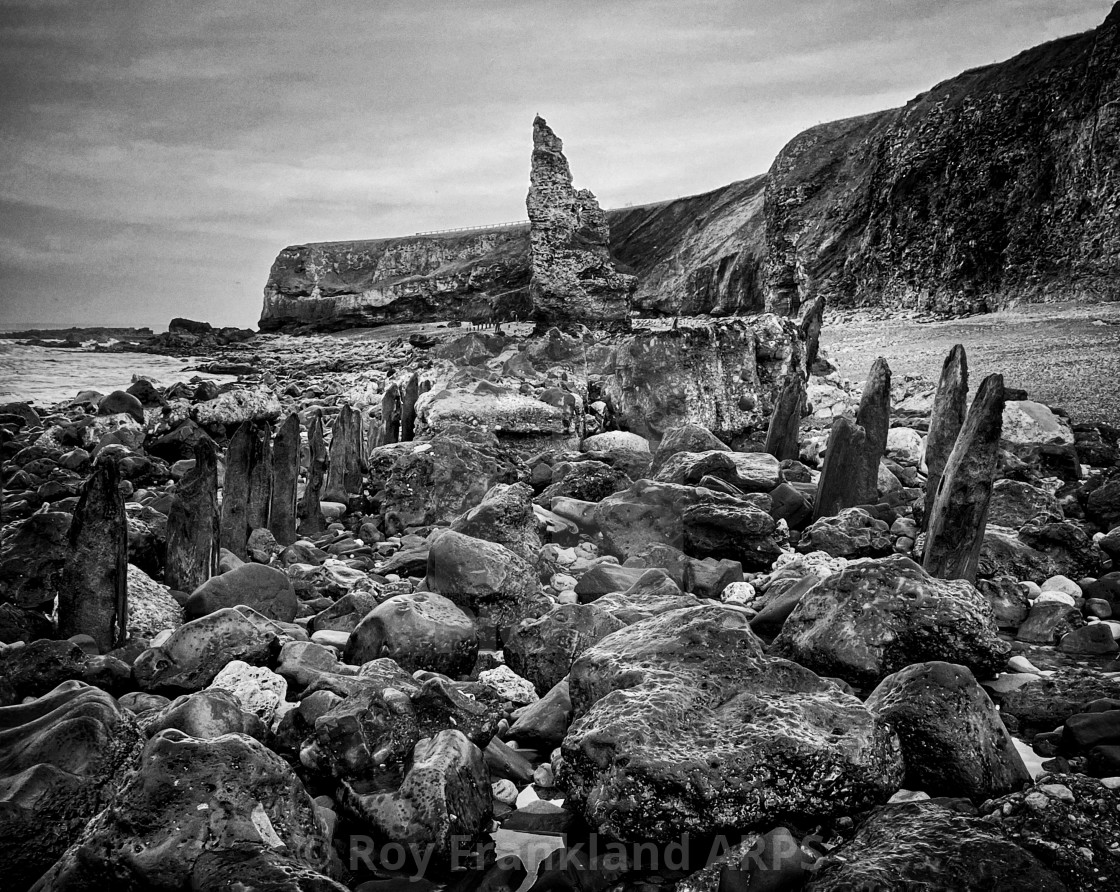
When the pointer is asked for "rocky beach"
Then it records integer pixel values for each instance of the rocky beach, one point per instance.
(533, 559)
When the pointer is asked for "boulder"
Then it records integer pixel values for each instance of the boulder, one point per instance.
(953, 740)
(486, 578)
(747, 471)
(545, 722)
(875, 617)
(120, 401)
(235, 407)
(685, 438)
(417, 484)
(588, 481)
(259, 690)
(443, 803)
(1049, 622)
(1028, 424)
(930, 846)
(204, 714)
(1013, 503)
(653, 594)
(1045, 703)
(191, 801)
(33, 555)
(198, 650)
(265, 589)
(505, 515)
(542, 649)
(615, 440)
(151, 609)
(1069, 822)
(683, 724)
(852, 533)
(421, 630)
(63, 757)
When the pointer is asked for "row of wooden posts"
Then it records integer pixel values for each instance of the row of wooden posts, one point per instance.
(259, 491)
(961, 456)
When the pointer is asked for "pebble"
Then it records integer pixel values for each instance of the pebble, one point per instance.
(504, 791)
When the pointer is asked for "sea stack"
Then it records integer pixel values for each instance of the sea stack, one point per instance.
(574, 280)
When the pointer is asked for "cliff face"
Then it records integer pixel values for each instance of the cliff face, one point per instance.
(999, 185)
(334, 285)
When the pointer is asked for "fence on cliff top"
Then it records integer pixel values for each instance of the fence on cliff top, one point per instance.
(475, 228)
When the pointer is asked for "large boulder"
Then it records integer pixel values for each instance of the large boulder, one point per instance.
(850, 534)
(443, 802)
(235, 407)
(747, 471)
(421, 630)
(63, 757)
(687, 437)
(505, 515)
(650, 513)
(516, 419)
(542, 649)
(416, 484)
(197, 651)
(1013, 503)
(204, 714)
(265, 589)
(1004, 553)
(486, 578)
(193, 800)
(151, 609)
(875, 617)
(683, 724)
(1044, 703)
(1028, 425)
(953, 740)
(929, 846)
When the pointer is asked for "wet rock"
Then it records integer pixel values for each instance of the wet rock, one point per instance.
(1096, 639)
(193, 800)
(198, 650)
(443, 800)
(23, 624)
(1048, 622)
(781, 435)
(264, 589)
(204, 714)
(1014, 503)
(151, 609)
(852, 533)
(683, 724)
(345, 614)
(486, 578)
(1004, 553)
(545, 722)
(1070, 823)
(422, 630)
(33, 555)
(1046, 703)
(505, 516)
(896, 847)
(93, 593)
(236, 407)
(573, 279)
(589, 481)
(739, 532)
(878, 616)
(1027, 425)
(63, 756)
(508, 685)
(416, 484)
(747, 471)
(121, 402)
(953, 740)
(653, 594)
(542, 649)
(686, 438)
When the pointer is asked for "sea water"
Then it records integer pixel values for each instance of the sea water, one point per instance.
(49, 375)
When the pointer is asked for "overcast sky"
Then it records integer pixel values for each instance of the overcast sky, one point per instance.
(155, 156)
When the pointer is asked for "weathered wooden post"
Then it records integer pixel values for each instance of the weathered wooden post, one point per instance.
(285, 478)
(311, 520)
(408, 408)
(960, 509)
(93, 595)
(193, 523)
(391, 415)
(246, 491)
(842, 481)
(874, 416)
(781, 436)
(945, 422)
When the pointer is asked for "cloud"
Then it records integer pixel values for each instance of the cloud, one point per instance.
(156, 151)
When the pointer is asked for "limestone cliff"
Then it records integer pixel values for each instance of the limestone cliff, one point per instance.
(999, 185)
(573, 276)
(469, 275)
